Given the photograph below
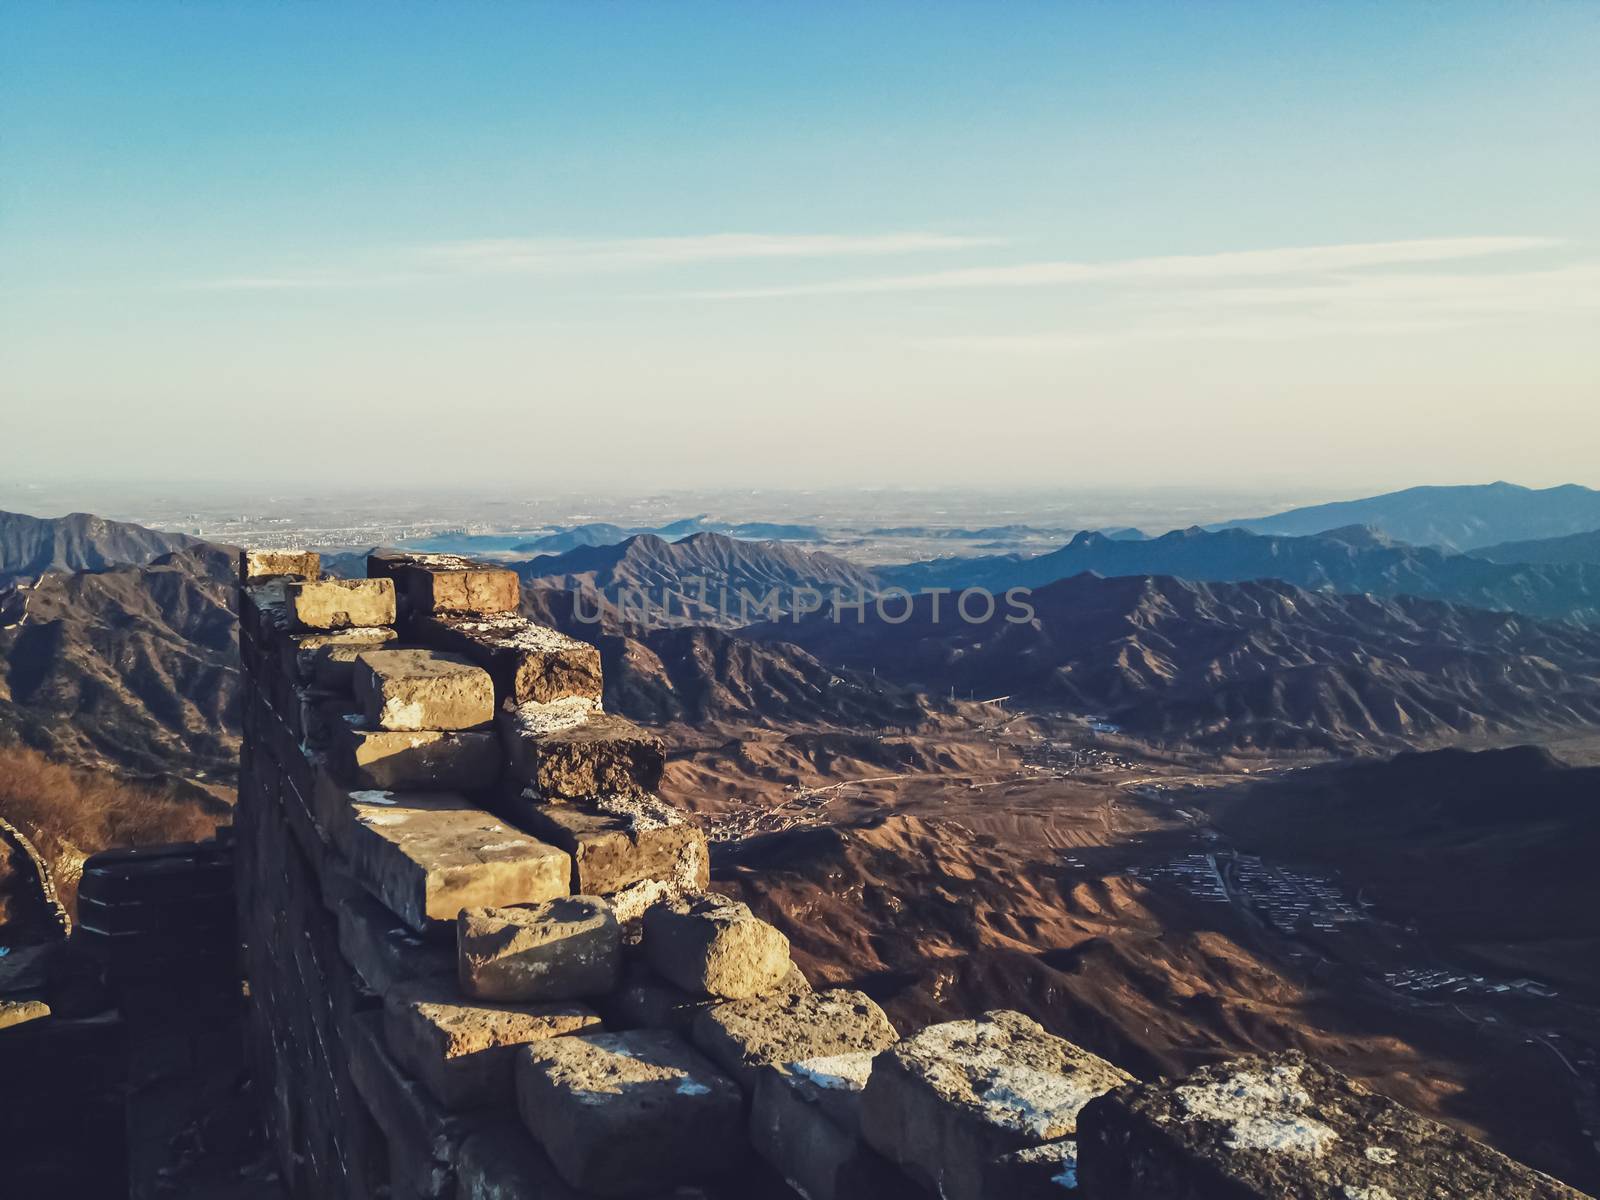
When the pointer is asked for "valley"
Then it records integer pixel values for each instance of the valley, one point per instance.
(1127, 904)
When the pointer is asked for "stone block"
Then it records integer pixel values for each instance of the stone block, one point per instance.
(20, 1010)
(423, 1137)
(427, 590)
(1283, 1125)
(258, 565)
(428, 856)
(743, 1036)
(316, 717)
(562, 949)
(1047, 1172)
(946, 1101)
(502, 1162)
(340, 603)
(628, 1114)
(646, 1001)
(711, 945)
(263, 612)
(420, 760)
(568, 749)
(529, 663)
(334, 666)
(619, 841)
(422, 689)
(462, 1050)
(805, 1122)
(300, 651)
(384, 951)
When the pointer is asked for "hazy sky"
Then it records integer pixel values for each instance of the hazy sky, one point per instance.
(648, 245)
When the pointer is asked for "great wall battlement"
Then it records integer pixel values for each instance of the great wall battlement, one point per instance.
(484, 962)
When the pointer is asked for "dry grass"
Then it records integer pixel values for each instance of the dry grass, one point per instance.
(71, 814)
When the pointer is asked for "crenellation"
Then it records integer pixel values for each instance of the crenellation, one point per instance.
(485, 963)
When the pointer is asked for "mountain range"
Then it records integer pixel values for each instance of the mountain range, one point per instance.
(1573, 548)
(702, 675)
(1262, 664)
(699, 578)
(30, 546)
(133, 667)
(600, 533)
(1455, 518)
(1352, 560)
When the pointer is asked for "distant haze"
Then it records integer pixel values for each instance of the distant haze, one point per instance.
(1313, 250)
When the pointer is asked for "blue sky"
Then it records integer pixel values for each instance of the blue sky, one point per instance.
(791, 244)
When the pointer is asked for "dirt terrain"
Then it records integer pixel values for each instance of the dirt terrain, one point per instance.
(1038, 864)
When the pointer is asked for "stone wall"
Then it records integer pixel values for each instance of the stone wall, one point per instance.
(484, 963)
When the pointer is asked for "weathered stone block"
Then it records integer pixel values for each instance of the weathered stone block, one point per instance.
(715, 946)
(428, 856)
(423, 1137)
(619, 841)
(528, 662)
(384, 951)
(805, 1122)
(301, 652)
(946, 1101)
(257, 565)
(263, 613)
(627, 1114)
(1284, 1126)
(1047, 1172)
(503, 1162)
(420, 760)
(422, 689)
(19, 1011)
(316, 717)
(568, 749)
(646, 1001)
(333, 666)
(743, 1036)
(340, 603)
(429, 590)
(562, 949)
(462, 1050)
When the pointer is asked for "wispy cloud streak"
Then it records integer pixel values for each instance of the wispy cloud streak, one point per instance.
(1172, 269)
(582, 256)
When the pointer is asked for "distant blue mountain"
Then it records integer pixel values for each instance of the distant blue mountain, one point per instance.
(603, 533)
(1352, 561)
(1456, 518)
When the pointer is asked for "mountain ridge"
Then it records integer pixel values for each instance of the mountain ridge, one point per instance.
(1455, 517)
(1348, 560)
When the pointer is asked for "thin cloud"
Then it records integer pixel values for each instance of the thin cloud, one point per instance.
(1355, 305)
(567, 254)
(581, 256)
(1198, 268)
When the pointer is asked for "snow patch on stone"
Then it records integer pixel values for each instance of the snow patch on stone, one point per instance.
(554, 716)
(1263, 1112)
(836, 1072)
(511, 632)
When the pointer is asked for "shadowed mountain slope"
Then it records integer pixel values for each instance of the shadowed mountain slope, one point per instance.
(1573, 548)
(1260, 664)
(699, 578)
(30, 546)
(135, 666)
(703, 675)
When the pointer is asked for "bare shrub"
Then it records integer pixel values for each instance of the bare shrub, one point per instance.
(71, 813)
